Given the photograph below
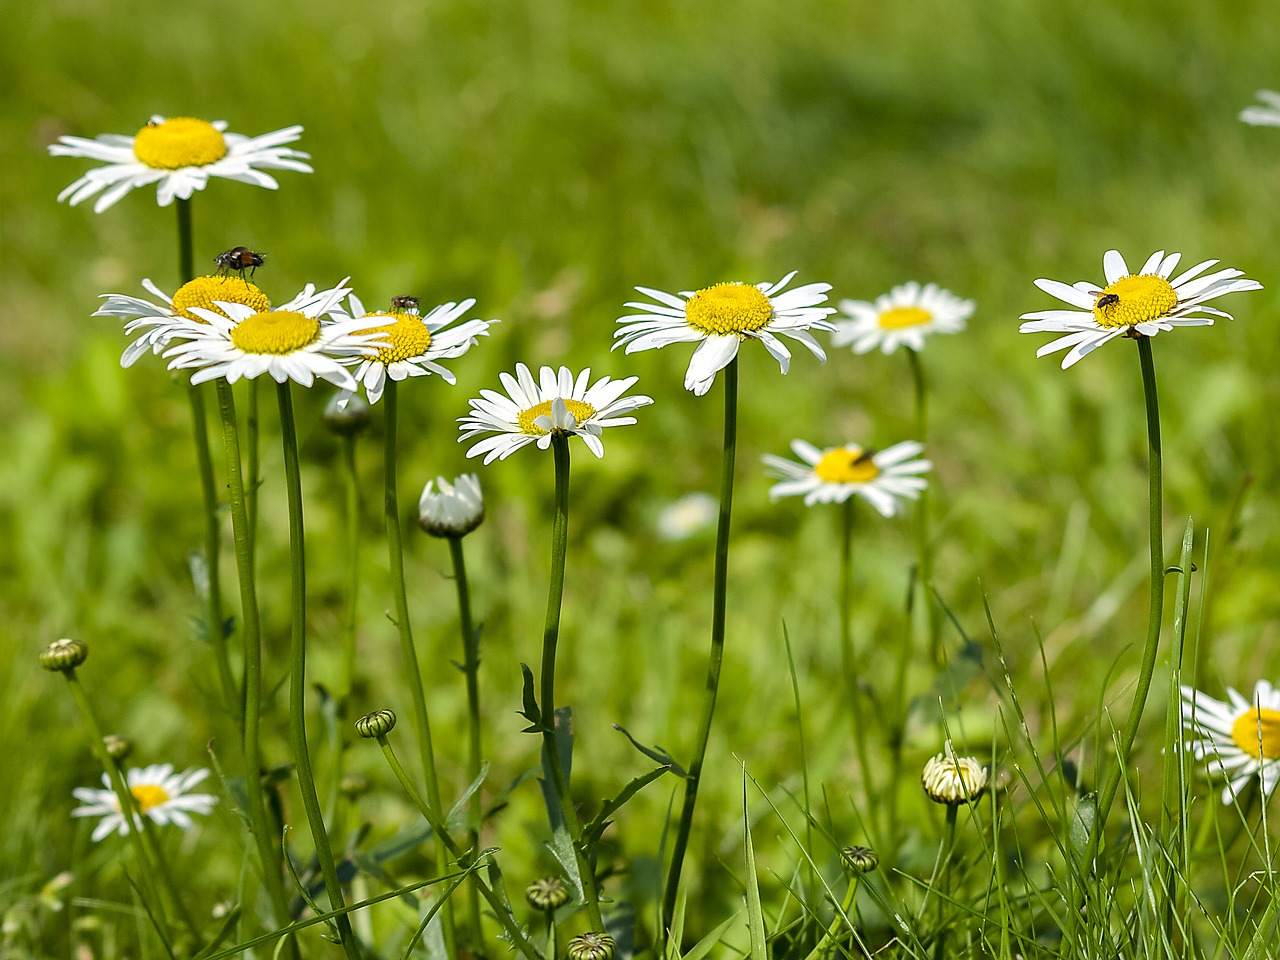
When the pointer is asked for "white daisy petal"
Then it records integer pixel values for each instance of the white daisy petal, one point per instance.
(1239, 738)
(159, 795)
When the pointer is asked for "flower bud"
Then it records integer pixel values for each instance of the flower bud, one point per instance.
(376, 724)
(347, 414)
(859, 859)
(953, 780)
(592, 946)
(63, 656)
(453, 511)
(549, 893)
(353, 784)
(118, 748)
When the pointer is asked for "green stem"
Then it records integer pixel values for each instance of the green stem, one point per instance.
(298, 669)
(252, 459)
(941, 872)
(716, 656)
(395, 550)
(924, 547)
(351, 485)
(847, 653)
(471, 669)
(186, 260)
(827, 942)
(500, 910)
(251, 633)
(550, 639)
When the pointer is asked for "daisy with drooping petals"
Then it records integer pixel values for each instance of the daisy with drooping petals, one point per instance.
(881, 477)
(721, 317)
(1267, 116)
(535, 410)
(1131, 304)
(161, 794)
(415, 342)
(904, 316)
(1240, 739)
(179, 154)
(290, 342)
(156, 324)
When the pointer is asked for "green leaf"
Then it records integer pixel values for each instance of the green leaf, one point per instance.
(458, 812)
(703, 946)
(592, 832)
(530, 700)
(655, 753)
(755, 913)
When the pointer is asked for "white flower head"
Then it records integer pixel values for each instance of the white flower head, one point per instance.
(884, 478)
(953, 780)
(455, 509)
(556, 403)
(162, 796)
(179, 154)
(416, 343)
(291, 342)
(1240, 738)
(1132, 305)
(687, 516)
(155, 324)
(904, 316)
(1265, 116)
(721, 317)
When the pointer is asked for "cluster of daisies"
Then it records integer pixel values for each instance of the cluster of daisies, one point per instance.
(225, 327)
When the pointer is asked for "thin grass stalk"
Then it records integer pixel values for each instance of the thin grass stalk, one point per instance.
(716, 656)
(547, 686)
(251, 635)
(828, 942)
(471, 669)
(422, 720)
(298, 669)
(924, 545)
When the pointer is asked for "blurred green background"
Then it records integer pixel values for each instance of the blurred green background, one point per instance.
(545, 158)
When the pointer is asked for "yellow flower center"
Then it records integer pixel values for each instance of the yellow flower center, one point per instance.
(203, 291)
(1257, 733)
(846, 465)
(728, 308)
(149, 795)
(409, 336)
(1133, 300)
(277, 332)
(581, 411)
(899, 317)
(180, 142)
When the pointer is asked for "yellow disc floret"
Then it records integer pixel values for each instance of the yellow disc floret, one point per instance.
(849, 464)
(728, 308)
(203, 291)
(1257, 733)
(581, 412)
(149, 795)
(898, 318)
(409, 337)
(179, 142)
(277, 332)
(1133, 300)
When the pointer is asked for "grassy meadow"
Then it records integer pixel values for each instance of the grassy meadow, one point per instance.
(545, 158)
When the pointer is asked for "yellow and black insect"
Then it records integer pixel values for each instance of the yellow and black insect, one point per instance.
(239, 260)
(1106, 302)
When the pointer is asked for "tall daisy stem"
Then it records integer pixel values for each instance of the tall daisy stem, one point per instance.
(718, 607)
(471, 668)
(422, 721)
(351, 490)
(847, 653)
(298, 670)
(550, 639)
(924, 546)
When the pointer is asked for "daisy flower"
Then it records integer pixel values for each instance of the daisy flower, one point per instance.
(416, 342)
(556, 403)
(160, 793)
(881, 477)
(455, 509)
(290, 342)
(155, 324)
(904, 316)
(1131, 304)
(1240, 738)
(1268, 116)
(720, 318)
(179, 154)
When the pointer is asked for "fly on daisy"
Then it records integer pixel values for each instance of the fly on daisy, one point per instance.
(291, 342)
(1138, 304)
(415, 343)
(721, 317)
(555, 403)
(179, 154)
(902, 317)
(884, 478)
(1264, 116)
(1240, 738)
(162, 796)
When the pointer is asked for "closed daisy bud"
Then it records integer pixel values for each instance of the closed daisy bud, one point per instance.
(347, 414)
(549, 893)
(859, 859)
(63, 656)
(118, 748)
(376, 724)
(953, 780)
(592, 946)
(454, 510)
